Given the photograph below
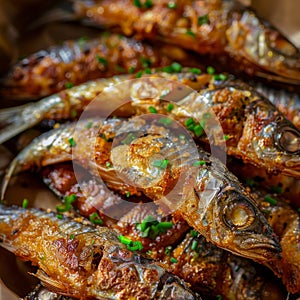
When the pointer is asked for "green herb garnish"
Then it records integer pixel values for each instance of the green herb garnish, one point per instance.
(152, 109)
(194, 245)
(271, 200)
(131, 70)
(95, 219)
(127, 194)
(146, 62)
(194, 233)
(170, 107)
(210, 70)
(161, 164)
(69, 85)
(139, 74)
(73, 113)
(191, 33)
(195, 71)
(168, 250)
(199, 163)
(102, 60)
(203, 20)
(72, 142)
(226, 137)
(25, 203)
(120, 69)
(276, 189)
(173, 260)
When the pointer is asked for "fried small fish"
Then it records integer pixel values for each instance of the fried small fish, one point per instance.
(208, 196)
(81, 261)
(226, 29)
(252, 128)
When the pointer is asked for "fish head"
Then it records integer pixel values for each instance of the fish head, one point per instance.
(277, 143)
(230, 218)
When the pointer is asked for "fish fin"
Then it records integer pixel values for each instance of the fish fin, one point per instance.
(52, 284)
(14, 120)
(7, 244)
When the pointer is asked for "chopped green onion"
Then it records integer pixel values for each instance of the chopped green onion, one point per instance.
(250, 182)
(219, 297)
(73, 113)
(170, 107)
(162, 164)
(172, 4)
(89, 125)
(25, 203)
(68, 85)
(198, 130)
(108, 164)
(129, 138)
(136, 246)
(189, 122)
(101, 60)
(194, 233)
(137, 3)
(72, 236)
(168, 69)
(95, 219)
(59, 216)
(148, 4)
(222, 77)
(165, 121)
(199, 163)
(203, 20)
(125, 240)
(69, 199)
(194, 245)
(176, 67)
(165, 225)
(131, 70)
(139, 74)
(147, 71)
(149, 252)
(226, 137)
(72, 142)
(195, 71)
(182, 136)
(270, 200)
(103, 136)
(146, 62)
(63, 208)
(210, 70)
(152, 109)
(191, 33)
(173, 260)
(127, 194)
(276, 189)
(168, 250)
(119, 68)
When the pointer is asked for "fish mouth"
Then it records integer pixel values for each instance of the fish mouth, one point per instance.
(259, 250)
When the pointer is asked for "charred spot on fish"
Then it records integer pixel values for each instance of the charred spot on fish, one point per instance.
(238, 214)
(96, 260)
(15, 231)
(288, 140)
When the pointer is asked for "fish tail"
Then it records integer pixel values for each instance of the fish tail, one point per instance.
(14, 120)
(9, 173)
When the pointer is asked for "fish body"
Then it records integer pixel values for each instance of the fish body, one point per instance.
(80, 261)
(209, 269)
(74, 62)
(254, 129)
(208, 197)
(223, 28)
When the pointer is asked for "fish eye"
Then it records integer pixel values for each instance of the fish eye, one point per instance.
(238, 214)
(288, 139)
